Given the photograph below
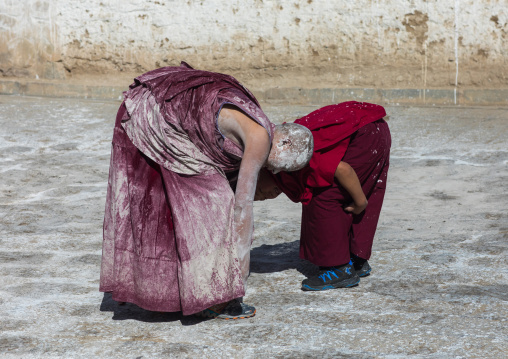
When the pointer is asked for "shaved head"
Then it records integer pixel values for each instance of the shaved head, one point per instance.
(292, 148)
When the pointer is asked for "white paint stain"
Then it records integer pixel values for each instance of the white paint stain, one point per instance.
(456, 45)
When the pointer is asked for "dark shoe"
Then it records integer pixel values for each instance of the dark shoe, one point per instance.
(361, 265)
(234, 309)
(363, 270)
(331, 278)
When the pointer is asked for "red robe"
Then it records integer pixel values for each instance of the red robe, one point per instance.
(169, 238)
(331, 127)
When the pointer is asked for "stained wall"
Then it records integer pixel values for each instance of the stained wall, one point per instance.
(340, 43)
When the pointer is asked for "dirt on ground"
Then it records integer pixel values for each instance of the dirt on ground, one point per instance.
(438, 289)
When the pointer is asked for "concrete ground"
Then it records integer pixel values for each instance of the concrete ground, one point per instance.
(439, 286)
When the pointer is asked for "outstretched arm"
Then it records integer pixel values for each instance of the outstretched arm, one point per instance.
(256, 143)
(348, 179)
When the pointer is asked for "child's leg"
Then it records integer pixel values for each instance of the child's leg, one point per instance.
(325, 242)
(368, 154)
(325, 229)
(365, 225)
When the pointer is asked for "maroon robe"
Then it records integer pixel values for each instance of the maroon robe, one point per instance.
(169, 238)
(352, 132)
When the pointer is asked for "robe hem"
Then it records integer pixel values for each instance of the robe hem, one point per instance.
(123, 297)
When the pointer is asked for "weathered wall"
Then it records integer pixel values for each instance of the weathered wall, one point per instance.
(383, 43)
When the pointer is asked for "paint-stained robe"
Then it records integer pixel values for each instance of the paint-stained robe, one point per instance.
(169, 238)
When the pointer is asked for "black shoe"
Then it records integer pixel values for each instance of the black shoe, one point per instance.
(333, 277)
(363, 270)
(237, 309)
(362, 267)
(234, 309)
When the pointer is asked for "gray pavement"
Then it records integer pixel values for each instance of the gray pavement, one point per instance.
(439, 287)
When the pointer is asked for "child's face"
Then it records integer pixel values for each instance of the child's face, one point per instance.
(266, 187)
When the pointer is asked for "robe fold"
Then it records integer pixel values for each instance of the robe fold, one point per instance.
(169, 237)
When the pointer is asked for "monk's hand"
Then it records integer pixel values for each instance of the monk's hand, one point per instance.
(356, 208)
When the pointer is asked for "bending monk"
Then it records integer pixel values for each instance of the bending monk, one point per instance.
(342, 191)
(187, 149)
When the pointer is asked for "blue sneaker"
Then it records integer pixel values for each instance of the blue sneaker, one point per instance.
(331, 278)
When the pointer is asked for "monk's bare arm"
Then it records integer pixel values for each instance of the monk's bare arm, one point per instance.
(256, 143)
(348, 179)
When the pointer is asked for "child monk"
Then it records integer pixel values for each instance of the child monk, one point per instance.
(342, 191)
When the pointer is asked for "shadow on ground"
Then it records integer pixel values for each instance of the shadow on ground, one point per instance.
(133, 312)
(271, 258)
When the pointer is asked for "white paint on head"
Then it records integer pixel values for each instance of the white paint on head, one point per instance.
(292, 149)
